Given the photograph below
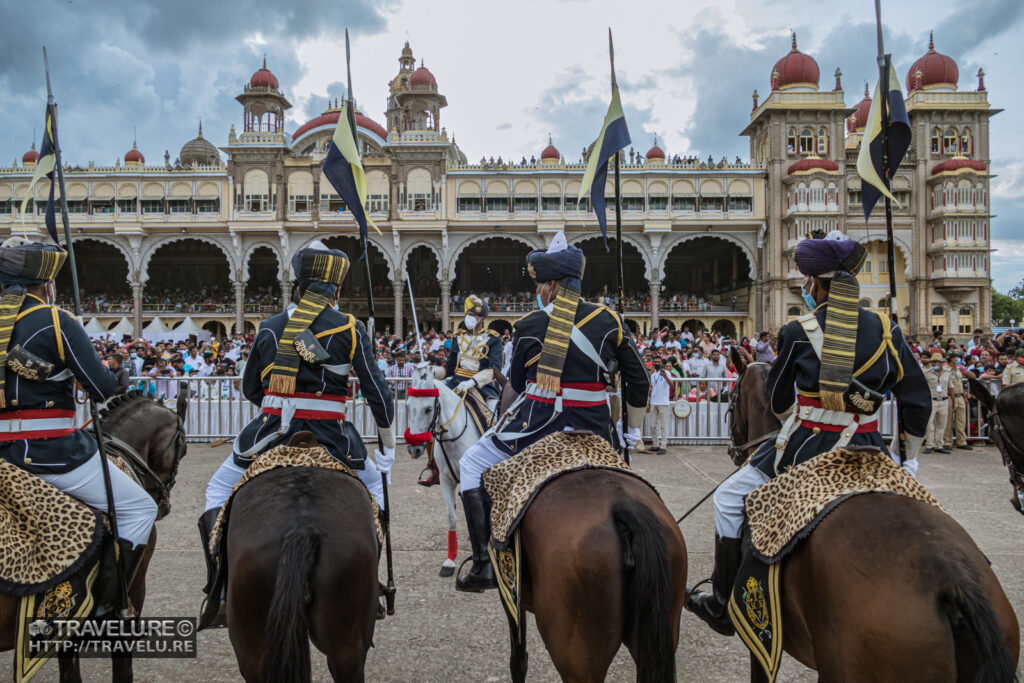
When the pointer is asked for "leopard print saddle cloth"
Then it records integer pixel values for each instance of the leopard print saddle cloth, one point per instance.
(786, 510)
(513, 483)
(46, 536)
(290, 456)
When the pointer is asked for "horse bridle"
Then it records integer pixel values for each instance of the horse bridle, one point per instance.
(1008, 446)
(156, 487)
(437, 432)
(732, 414)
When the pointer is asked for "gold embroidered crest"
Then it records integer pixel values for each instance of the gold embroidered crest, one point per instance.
(861, 402)
(531, 271)
(20, 369)
(305, 353)
(753, 599)
(57, 603)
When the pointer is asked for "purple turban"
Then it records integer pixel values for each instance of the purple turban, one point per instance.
(833, 253)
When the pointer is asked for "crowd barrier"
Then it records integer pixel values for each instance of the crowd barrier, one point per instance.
(217, 409)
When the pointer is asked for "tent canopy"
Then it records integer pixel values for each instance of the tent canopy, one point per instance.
(123, 328)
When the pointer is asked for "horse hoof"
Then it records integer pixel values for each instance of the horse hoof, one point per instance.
(446, 571)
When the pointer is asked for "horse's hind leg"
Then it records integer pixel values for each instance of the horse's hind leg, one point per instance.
(70, 672)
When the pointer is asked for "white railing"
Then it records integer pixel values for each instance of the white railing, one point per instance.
(217, 409)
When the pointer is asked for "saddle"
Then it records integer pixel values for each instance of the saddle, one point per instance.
(784, 512)
(513, 485)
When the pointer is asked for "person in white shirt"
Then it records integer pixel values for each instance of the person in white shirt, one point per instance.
(687, 335)
(659, 405)
(695, 363)
(507, 354)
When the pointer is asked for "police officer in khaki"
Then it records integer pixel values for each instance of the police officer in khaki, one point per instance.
(940, 382)
(1014, 372)
(957, 420)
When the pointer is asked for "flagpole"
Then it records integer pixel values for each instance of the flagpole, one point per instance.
(884, 66)
(389, 595)
(51, 106)
(618, 259)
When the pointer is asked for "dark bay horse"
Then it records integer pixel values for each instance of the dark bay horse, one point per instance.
(892, 589)
(750, 424)
(157, 435)
(302, 565)
(1006, 422)
(605, 565)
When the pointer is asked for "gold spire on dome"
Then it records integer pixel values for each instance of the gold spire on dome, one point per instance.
(264, 61)
(839, 76)
(866, 93)
(755, 99)
(200, 129)
(931, 42)
(981, 80)
(794, 42)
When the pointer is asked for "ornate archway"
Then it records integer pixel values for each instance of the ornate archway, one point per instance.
(600, 277)
(263, 280)
(510, 237)
(706, 273)
(104, 278)
(183, 274)
(494, 267)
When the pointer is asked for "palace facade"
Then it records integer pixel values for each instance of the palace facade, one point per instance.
(707, 243)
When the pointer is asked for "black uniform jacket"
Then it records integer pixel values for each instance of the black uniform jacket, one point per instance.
(492, 360)
(795, 370)
(610, 338)
(57, 337)
(345, 339)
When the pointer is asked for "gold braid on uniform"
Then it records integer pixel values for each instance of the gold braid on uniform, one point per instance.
(838, 351)
(556, 339)
(327, 270)
(20, 266)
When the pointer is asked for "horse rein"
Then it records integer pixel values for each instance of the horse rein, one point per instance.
(436, 432)
(157, 488)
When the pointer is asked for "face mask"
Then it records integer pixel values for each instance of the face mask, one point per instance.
(540, 303)
(133, 354)
(51, 292)
(936, 367)
(811, 303)
(471, 321)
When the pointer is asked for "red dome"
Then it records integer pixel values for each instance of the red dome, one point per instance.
(794, 70)
(263, 78)
(959, 164)
(811, 164)
(550, 152)
(31, 156)
(134, 155)
(655, 152)
(331, 118)
(859, 118)
(422, 76)
(935, 70)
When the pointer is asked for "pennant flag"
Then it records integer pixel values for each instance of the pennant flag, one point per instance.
(45, 167)
(345, 170)
(614, 137)
(869, 160)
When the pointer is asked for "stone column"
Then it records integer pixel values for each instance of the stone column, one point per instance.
(446, 304)
(137, 308)
(396, 287)
(240, 307)
(286, 293)
(655, 304)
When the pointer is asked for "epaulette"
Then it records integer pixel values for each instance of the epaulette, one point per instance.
(527, 316)
(494, 334)
(601, 308)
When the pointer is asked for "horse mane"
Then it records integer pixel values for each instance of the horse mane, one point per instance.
(119, 405)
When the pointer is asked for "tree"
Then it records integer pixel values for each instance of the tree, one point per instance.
(1018, 291)
(1007, 307)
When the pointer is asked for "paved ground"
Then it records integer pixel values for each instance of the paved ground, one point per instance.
(441, 635)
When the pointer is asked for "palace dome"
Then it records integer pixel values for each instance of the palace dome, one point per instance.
(655, 152)
(811, 164)
(199, 151)
(134, 156)
(959, 164)
(422, 76)
(263, 77)
(550, 152)
(859, 118)
(934, 70)
(330, 117)
(31, 156)
(795, 70)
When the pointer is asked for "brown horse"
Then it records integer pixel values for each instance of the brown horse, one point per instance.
(1006, 422)
(302, 565)
(892, 589)
(605, 565)
(750, 424)
(157, 435)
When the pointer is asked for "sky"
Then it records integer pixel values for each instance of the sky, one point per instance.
(513, 73)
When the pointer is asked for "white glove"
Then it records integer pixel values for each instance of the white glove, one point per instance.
(385, 457)
(465, 385)
(631, 439)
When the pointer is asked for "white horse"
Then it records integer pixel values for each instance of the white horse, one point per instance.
(435, 410)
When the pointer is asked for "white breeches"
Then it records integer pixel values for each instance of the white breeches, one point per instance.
(475, 460)
(135, 509)
(227, 475)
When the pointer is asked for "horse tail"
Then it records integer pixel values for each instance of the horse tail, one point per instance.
(979, 647)
(286, 657)
(647, 587)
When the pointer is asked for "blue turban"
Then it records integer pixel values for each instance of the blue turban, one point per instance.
(561, 262)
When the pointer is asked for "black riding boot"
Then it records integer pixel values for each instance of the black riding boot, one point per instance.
(211, 613)
(713, 607)
(478, 519)
(107, 593)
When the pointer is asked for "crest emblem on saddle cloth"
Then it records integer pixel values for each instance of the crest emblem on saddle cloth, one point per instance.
(58, 602)
(753, 600)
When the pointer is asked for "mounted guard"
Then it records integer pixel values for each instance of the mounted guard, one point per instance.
(476, 354)
(834, 367)
(298, 374)
(562, 359)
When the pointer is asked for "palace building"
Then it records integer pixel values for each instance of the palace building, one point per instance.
(706, 243)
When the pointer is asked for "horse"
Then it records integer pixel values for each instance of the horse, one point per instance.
(1007, 431)
(753, 377)
(890, 588)
(433, 410)
(157, 435)
(302, 565)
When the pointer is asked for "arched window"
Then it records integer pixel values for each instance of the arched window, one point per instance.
(949, 141)
(793, 313)
(864, 303)
(966, 320)
(936, 140)
(822, 142)
(938, 319)
(807, 141)
(791, 141)
(966, 145)
(419, 190)
(883, 303)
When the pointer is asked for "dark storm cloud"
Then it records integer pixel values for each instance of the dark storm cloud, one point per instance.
(159, 66)
(972, 23)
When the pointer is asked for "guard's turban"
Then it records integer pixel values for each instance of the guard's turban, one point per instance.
(559, 262)
(823, 257)
(30, 264)
(320, 264)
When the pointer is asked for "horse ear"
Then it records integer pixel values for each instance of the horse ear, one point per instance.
(738, 361)
(438, 372)
(982, 393)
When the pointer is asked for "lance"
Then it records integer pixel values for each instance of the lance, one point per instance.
(415, 321)
(618, 264)
(884, 62)
(390, 593)
(77, 303)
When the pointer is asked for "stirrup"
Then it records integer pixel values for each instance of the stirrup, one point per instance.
(433, 477)
(468, 583)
